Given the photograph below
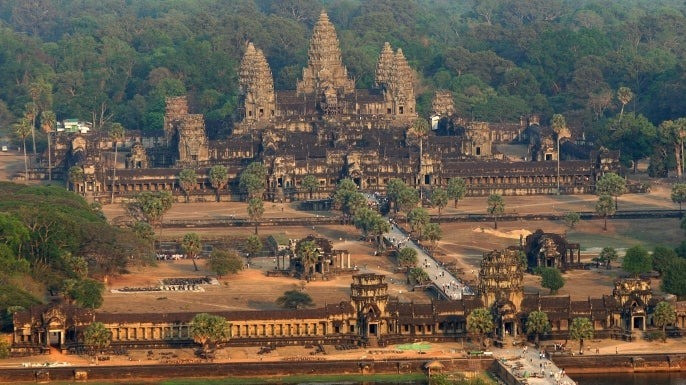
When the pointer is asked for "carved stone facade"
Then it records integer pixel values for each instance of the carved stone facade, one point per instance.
(551, 250)
(443, 103)
(257, 86)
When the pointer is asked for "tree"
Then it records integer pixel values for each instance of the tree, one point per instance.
(219, 177)
(188, 179)
(679, 194)
(224, 262)
(607, 255)
(97, 336)
(611, 184)
(191, 247)
(552, 279)
(309, 255)
(76, 176)
(116, 134)
(625, 96)
(31, 113)
(418, 218)
(637, 261)
(294, 299)
(664, 315)
(580, 330)
(208, 330)
(635, 136)
(418, 276)
(310, 184)
(457, 188)
(605, 207)
(371, 223)
(48, 120)
(420, 129)
(674, 279)
(255, 211)
(407, 200)
(571, 219)
(663, 258)
(480, 323)
(151, 206)
(407, 257)
(439, 198)
(253, 245)
(22, 129)
(253, 179)
(537, 323)
(496, 207)
(5, 349)
(393, 189)
(87, 293)
(433, 233)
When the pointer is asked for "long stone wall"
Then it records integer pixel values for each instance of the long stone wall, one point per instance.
(622, 363)
(242, 369)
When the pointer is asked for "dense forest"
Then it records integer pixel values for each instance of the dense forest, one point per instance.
(52, 239)
(116, 60)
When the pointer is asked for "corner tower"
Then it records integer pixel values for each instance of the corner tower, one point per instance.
(325, 70)
(256, 86)
(500, 278)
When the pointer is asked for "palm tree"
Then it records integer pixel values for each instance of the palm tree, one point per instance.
(75, 175)
(310, 183)
(97, 336)
(219, 176)
(116, 134)
(624, 95)
(307, 250)
(255, 211)
(23, 129)
(31, 113)
(191, 246)
(48, 121)
(537, 324)
(187, 180)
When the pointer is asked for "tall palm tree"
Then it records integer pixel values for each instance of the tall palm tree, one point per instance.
(23, 130)
(624, 95)
(116, 134)
(48, 121)
(31, 113)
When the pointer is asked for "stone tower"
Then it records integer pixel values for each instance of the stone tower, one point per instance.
(369, 290)
(188, 130)
(256, 86)
(384, 66)
(400, 88)
(500, 277)
(443, 103)
(325, 71)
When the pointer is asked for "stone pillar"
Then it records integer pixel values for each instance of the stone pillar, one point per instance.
(348, 260)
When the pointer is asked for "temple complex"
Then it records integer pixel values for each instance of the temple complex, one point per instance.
(327, 128)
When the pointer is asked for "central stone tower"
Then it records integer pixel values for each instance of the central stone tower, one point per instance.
(325, 71)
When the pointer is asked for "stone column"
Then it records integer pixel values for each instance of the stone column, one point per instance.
(348, 260)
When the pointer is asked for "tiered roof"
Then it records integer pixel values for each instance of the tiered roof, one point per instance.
(254, 74)
(384, 66)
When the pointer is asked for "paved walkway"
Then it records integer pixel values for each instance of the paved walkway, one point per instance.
(527, 362)
(451, 286)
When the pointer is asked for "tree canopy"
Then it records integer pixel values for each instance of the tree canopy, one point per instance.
(224, 262)
(294, 299)
(637, 261)
(552, 279)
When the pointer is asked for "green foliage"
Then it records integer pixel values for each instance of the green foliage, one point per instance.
(407, 257)
(308, 253)
(393, 189)
(311, 184)
(347, 198)
(253, 245)
(219, 176)
(664, 315)
(605, 207)
(188, 180)
(150, 206)
(581, 329)
(253, 179)
(371, 223)
(408, 199)
(663, 258)
(480, 322)
(571, 219)
(4, 349)
(191, 245)
(418, 276)
(634, 134)
(607, 255)
(674, 278)
(418, 218)
(611, 184)
(457, 188)
(537, 323)
(637, 261)
(495, 207)
(255, 210)
(552, 279)
(87, 293)
(209, 330)
(679, 193)
(97, 336)
(433, 233)
(294, 299)
(439, 198)
(224, 262)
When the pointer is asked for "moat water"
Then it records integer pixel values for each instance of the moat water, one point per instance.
(632, 379)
